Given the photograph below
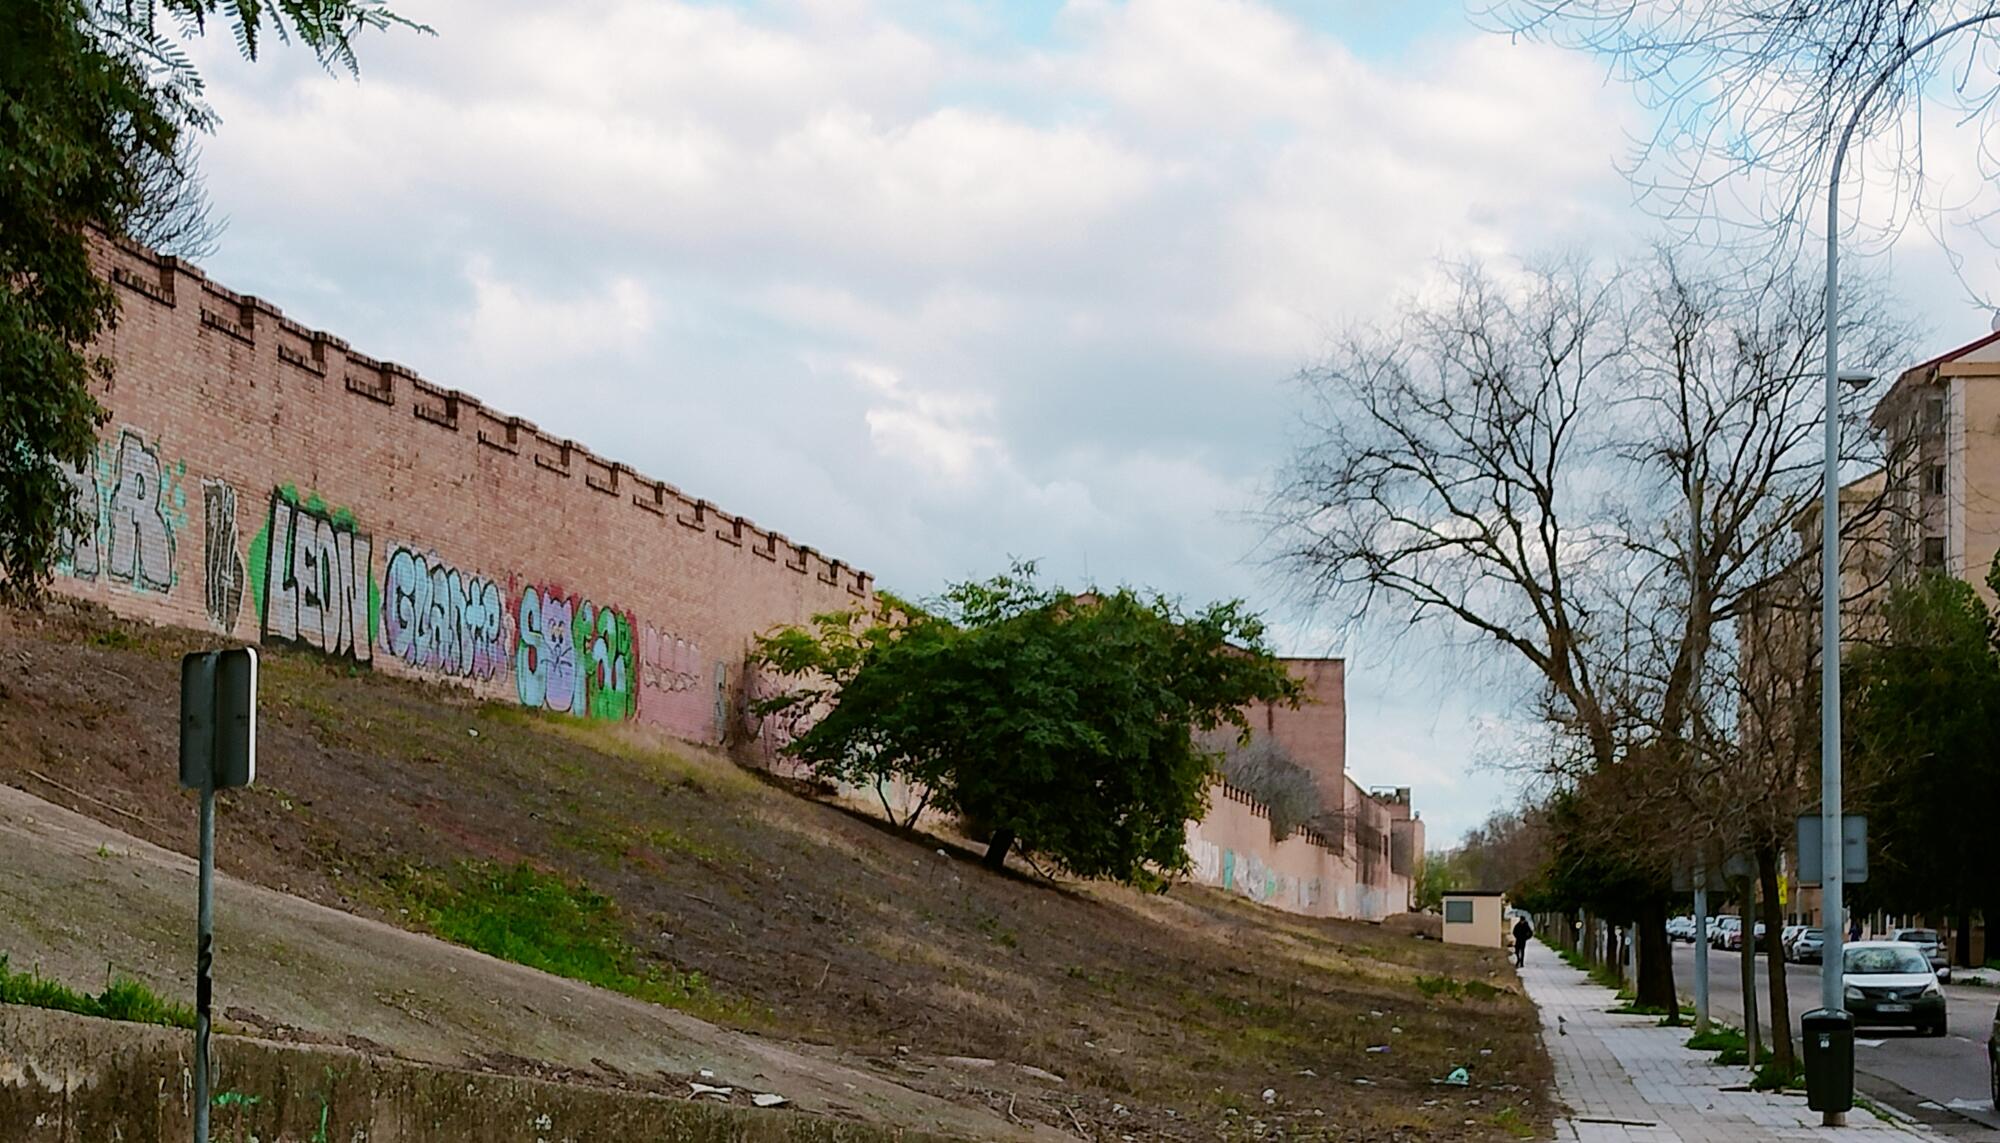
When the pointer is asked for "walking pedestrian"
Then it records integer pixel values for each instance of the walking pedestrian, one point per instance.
(1522, 931)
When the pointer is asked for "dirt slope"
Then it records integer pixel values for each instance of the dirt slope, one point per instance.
(377, 985)
(1166, 1017)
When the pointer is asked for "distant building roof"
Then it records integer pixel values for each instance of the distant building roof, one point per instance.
(1921, 373)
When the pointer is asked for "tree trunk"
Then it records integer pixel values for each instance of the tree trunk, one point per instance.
(1656, 959)
(1774, 952)
(1747, 965)
(997, 847)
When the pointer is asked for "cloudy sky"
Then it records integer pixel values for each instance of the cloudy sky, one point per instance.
(932, 283)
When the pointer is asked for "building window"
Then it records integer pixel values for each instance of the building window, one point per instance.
(1933, 414)
(1458, 912)
(1933, 551)
(1934, 480)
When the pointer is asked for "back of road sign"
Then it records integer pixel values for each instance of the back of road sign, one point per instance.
(219, 719)
(1853, 849)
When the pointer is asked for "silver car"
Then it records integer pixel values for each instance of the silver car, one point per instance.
(1933, 946)
(1809, 947)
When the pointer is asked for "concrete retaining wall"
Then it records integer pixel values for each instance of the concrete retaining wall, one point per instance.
(73, 1079)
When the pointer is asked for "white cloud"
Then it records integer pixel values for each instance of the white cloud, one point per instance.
(512, 329)
(961, 300)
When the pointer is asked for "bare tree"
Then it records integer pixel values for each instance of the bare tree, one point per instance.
(1584, 470)
(1751, 99)
(173, 214)
(1266, 771)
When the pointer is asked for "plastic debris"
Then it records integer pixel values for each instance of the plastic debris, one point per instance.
(767, 1099)
(1459, 1077)
(705, 1074)
(711, 1089)
(1270, 1095)
(1379, 1048)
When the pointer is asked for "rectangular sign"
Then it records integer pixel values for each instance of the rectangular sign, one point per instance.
(219, 719)
(1853, 849)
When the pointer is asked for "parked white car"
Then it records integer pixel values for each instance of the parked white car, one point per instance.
(1727, 932)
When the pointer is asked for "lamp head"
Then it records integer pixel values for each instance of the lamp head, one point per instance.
(1856, 378)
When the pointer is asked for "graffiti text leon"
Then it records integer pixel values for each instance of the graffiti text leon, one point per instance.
(314, 589)
(573, 656)
(439, 619)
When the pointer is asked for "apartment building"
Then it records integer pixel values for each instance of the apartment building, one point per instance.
(1941, 423)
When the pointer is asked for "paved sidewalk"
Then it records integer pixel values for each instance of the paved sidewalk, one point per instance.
(1627, 1078)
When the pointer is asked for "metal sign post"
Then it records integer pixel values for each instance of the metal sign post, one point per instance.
(1693, 875)
(1700, 951)
(218, 751)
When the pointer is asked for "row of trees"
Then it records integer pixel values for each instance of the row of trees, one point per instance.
(1598, 475)
(1923, 715)
(1592, 473)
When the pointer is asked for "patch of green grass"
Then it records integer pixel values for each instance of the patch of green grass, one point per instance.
(1740, 1055)
(996, 932)
(1509, 1119)
(1634, 1008)
(114, 638)
(1771, 1077)
(673, 841)
(520, 914)
(1451, 988)
(1435, 986)
(1718, 1038)
(121, 999)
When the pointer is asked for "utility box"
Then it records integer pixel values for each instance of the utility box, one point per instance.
(1477, 917)
(1829, 1044)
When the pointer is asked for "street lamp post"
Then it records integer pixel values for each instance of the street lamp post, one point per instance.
(1833, 919)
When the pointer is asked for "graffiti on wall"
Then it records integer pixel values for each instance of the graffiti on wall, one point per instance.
(672, 693)
(76, 550)
(574, 657)
(223, 585)
(771, 733)
(1249, 875)
(132, 507)
(309, 569)
(440, 619)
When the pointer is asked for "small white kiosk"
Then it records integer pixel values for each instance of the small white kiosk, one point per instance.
(1476, 917)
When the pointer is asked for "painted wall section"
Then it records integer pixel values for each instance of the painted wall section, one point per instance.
(353, 509)
(1305, 873)
(1362, 867)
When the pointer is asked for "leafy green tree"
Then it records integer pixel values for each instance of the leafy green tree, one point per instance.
(1922, 720)
(1068, 724)
(96, 103)
(1437, 878)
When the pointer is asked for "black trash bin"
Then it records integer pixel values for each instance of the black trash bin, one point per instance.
(1829, 1044)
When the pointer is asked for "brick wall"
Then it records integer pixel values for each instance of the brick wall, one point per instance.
(1231, 848)
(269, 483)
(1315, 733)
(1347, 871)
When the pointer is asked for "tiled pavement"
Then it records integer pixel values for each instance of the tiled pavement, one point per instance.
(1627, 1078)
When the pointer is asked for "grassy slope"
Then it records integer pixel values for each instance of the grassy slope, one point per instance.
(613, 855)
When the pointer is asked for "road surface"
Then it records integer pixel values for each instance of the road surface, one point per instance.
(1901, 1068)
